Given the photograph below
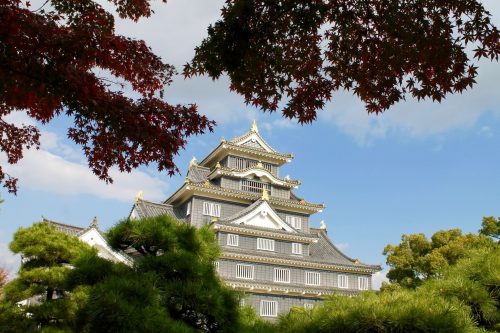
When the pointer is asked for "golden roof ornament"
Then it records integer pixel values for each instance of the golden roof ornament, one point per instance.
(206, 184)
(193, 162)
(223, 140)
(138, 196)
(356, 261)
(259, 165)
(322, 225)
(265, 194)
(186, 180)
(94, 223)
(218, 166)
(254, 126)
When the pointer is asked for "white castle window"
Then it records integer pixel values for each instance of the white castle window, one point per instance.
(282, 275)
(296, 248)
(233, 240)
(188, 208)
(308, 306)
(211, 209)
(294, 221)
(343, 281)
(265, 244)
(362, 283)
(244, 271)
(268, 308)
(216, 265)
(313, 278)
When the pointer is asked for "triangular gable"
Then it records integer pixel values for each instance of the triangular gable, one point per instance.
(94, 238)
(253, 139)
(263, 216)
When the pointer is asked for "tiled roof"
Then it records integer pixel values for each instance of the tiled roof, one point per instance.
(145, 209)
(68, 229)
(325, 251)
(198, 174)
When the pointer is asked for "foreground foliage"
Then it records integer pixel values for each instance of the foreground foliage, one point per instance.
(41, 284)
(383, 51)
(173, 287)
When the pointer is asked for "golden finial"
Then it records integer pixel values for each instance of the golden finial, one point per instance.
(193, 162)
(356, 261)
(207, 183)
(94, 223)
(138, 196)
(214, 219)
(254, 126)
(218, 166)
(223, 140)
(186, 180)
(323, 225)
(265, 194)
(302, 201)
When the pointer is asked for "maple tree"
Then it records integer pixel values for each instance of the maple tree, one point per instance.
(273, 52)
(297, 54)
(50, 60)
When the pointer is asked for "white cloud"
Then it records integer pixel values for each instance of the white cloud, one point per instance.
(342, 246)
(9, 261)
(378, 278)
(485, 131)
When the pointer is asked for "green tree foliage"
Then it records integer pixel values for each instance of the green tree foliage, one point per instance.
(418, 258)
(474, 281)
(172, 288)
(400, 311)
(491, 227)
(47, 258)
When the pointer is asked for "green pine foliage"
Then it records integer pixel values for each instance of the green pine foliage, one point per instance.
(48, 256)
(173, 286)
(475, 282)
(402, 311)
(418, 258)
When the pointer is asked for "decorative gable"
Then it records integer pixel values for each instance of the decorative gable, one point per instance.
(263, 216)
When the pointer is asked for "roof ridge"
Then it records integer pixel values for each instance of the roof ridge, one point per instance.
(44, 219)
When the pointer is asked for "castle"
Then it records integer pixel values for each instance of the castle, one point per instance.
(269, 250)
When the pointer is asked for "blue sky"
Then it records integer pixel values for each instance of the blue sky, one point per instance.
(420, 167)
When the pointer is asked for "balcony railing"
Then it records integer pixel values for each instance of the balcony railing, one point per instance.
(254, 186)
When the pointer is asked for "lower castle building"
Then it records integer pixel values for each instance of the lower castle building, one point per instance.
(269, 250)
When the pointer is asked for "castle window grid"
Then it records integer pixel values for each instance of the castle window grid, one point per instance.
(268, 308)
(313, 278)
(343, 281)
(233, 240)
(294, 221)
(254, 186)
(362, 283)
(265, 244)
(244, 271)
(242, 163)
(282, 275)
(296, 248)
(211, 209)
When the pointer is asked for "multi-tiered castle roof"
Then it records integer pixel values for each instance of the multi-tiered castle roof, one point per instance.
(269, 249)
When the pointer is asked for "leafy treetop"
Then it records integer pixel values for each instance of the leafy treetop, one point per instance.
(417, 258)
(50, 62)
(273, 51)
(491, 227)
(381, 50)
